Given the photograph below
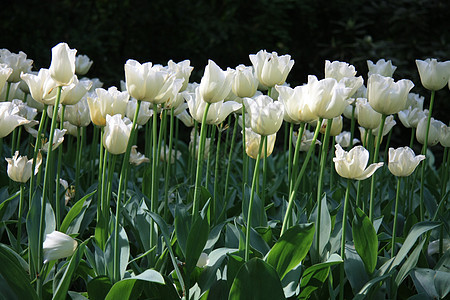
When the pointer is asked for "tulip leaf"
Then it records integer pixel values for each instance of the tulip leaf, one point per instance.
(4, 206)
(315, 276)
(365, 240)
(256, 280)
(409, 264)
(99, 287)
(67, 273)
(291, 248)
(15, 275)
(74, 212)
(127, 289)
(33, 227)
(434, 283)
(196, 241)
(124, 249)
(182, 225)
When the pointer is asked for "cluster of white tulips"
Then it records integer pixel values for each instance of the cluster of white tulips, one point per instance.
(258, 97)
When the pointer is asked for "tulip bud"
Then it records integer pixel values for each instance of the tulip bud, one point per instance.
(58, 245)
(434, 75)
(382, 67)
(82, 64)
(343, 139)
(117, 133)
(445, 136)
(215, 84)
(296, 103)
(403, 161)
(62, 66)
(367, 116)
(252, 143)
(244, 83)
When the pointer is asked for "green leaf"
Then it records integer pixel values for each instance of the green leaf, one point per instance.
(354, 269)
(14, 274)
(182, 225)
(98, 287)
(123, 289)
(436, 284)
(362, 294)
(416, 231)
(365, 240)
(74, 212)
(291, 248)
(256, 280)
(315, 276)
(124, 249)
(5, 205)
(33, 228)
(196, 241)
(410, 263)
(63, 285)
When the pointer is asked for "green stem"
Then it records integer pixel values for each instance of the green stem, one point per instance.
(37, 147)
(289, 176)
(8, 89)
(344, 225)
(208, 159)
(263, 195)
(78, 163)
(296, 155)
(58, 173)
(216, 178)
(252, 195)
(394, 229)
(227, 175)
(333, 143)
(13, 141)
(375, 160)
(19, 136)
(298, 180)
(154, 188)
(198, 173)
(244, 154)
(168, 166)
(19, 216)
(39, 280)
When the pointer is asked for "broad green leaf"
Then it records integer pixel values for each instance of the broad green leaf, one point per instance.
(235, 262)
(15, 275)
(291, 248)
(354, 269)
(416, 231)
(98, 287)
(124, 249)
(325, 228)
(256, 280)
(74, 212)
(363, 293)
(365, 240)
(436, 284)
(123, 289)
(409, 264)
(33, 228)
(315, 276)
(63, 285)
(196, 241)
(182, 226)
(259, 216)
(5, 205)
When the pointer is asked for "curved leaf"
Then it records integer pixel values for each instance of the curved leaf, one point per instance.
(365, 240)
(123, 289)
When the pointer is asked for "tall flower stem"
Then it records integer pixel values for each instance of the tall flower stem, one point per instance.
(227, 174)
(168, 166)
(244, 154)
(323, 160)
(296, 155)
(78, 163)
(208, 159)
(8, 89)
(424, 152)
(394, 228)
(58, 172)
(154, 187)
(344, 225)
(19, 216)
(289, 170)
(123, 172)
(216, 176)
(264, 183)
(198, 173)
(44, 194)
(252, 196)
(375, 160)
(298, 180)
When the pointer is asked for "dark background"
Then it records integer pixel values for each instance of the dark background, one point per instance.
(110, 32)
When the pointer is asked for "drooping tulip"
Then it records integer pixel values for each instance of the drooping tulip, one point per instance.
(137, 158)
(58, 245)
(20, 168)
(58, 139)
(352, 164)
(434, 75)
(403, 161)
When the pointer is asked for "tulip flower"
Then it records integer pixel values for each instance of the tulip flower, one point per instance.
(328, 98)
(197, 145)
(137, 158)
(434, 132)
(244, 82)
(215, 84)
(386, 96)
(10, 118)
(58, 139)
(164, 155)
(343, 139)
(145, 111)
(296, 103)
(336, 126)
(42, 86)
(307, 139)
(410, 117)
(271, 69)
(186, 118)
(71, 94)
(62, 66)
(381, 67)
(434, 75)
(107, 102)
(82, 64)
(403, 161)
(58, 245)
(78, 114)
(266, 115)
(203, 260)
(352, 164)
(444, 139)
(17, 62)
(367, 116)
(182, 70)
(253, 140)
(116, 135)
(415, 101)
(20, 168)
(5, 72)
(339, 70)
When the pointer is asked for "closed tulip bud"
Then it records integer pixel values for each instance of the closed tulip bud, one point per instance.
(296, 103)
(328, 98)
(444, 139)
(58, 245)
(271, 69)
(336, 126)
(433, 134)
(18, 62)
(215, 84)
(434, 75)
(244, 83)
(352, 164)
(62, 67)
(403, 161)
(339, 70)
(266, 115)
(386, 96)
(367, 116)
(10, 118)
(117, 133)
(5, 72)
(20, 168)
(82, 64)
(381, 67)
(252, 143)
